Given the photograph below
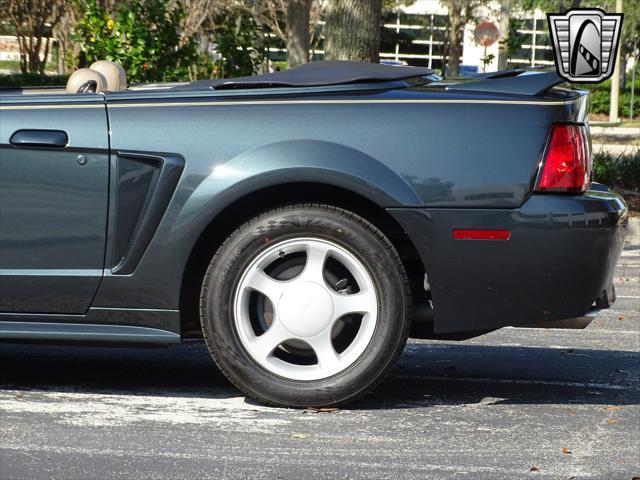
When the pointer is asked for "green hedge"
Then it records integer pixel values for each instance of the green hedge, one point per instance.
(622, 171)
(32, 80)
(601, 93)
(600, 99)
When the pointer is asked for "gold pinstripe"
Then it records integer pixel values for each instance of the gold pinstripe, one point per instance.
(50, 107)
(226, 103)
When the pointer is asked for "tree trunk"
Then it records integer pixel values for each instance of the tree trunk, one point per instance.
(503, 50)
(625, 55)
(47, 50)
(107, 4)
(615, 80)
(455, 38)
(298, 12)
(33, 23)
(24, 65)
(352, 31)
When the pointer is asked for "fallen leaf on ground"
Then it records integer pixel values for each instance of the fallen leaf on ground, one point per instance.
(612, 408)
(621, 317)
(566, 451)
(324, 409)
(612, 421)
(534, 469)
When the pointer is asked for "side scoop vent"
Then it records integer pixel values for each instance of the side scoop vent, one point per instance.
(136, 181)
(145, 185)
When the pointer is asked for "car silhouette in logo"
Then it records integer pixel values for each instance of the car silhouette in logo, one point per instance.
(585, 43)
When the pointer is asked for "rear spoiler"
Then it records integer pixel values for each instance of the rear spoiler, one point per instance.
(516, 82)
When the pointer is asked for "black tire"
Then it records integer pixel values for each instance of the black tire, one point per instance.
(361, 239)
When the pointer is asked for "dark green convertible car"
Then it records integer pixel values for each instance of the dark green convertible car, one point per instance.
(305, 222)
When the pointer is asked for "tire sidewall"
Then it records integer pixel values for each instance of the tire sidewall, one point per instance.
(358, 237)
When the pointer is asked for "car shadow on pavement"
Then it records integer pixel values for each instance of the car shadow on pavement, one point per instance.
(463, 374)
(426, 375)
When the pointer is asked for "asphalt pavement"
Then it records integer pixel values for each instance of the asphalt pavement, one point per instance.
(516, 403)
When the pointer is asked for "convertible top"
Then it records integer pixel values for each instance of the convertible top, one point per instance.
(331, 73)
(315, 74)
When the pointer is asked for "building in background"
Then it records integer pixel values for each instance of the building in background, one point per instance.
(417, 35)
(9, 48)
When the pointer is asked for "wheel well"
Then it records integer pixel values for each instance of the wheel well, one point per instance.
(257, 202)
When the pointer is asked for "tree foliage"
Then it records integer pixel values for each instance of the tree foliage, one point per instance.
(143, 36)
(236, 34)
(630, 40)
(68, 50)
(514, 38)
(461, 12)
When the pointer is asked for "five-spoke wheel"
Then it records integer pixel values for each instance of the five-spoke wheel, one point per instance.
(311, 325)
(305, 305)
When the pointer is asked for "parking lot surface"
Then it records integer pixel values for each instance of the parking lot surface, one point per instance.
(516, 403)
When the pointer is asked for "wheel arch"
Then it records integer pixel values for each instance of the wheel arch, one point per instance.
(254, 202)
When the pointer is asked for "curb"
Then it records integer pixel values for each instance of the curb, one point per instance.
(615, 149)
(621, 132)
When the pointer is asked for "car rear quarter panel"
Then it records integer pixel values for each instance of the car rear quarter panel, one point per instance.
(397, 148)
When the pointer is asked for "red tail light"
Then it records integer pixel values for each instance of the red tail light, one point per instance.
(566, 166)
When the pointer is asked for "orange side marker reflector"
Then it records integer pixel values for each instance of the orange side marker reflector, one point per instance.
(481, 234)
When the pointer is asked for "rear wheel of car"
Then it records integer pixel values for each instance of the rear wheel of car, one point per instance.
(305, 305)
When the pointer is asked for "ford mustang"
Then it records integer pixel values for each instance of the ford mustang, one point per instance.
(305, 222)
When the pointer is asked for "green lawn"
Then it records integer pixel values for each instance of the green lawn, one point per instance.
(14, 66)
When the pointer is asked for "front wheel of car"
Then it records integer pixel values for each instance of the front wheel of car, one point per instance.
(305, 305)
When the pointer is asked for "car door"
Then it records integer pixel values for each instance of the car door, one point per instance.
(54, 186)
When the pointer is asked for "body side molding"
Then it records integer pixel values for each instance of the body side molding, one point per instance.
(157, 319)
(86, 332)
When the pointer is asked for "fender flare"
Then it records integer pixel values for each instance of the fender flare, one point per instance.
(297, 161)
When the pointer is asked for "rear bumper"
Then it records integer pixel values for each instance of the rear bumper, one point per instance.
(576, 323)
(558, 263)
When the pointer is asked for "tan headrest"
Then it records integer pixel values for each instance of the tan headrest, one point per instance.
(113, 72)
(84, 75)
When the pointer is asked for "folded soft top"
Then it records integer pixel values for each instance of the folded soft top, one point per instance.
(315, 74)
